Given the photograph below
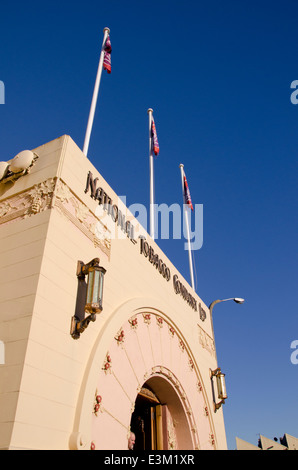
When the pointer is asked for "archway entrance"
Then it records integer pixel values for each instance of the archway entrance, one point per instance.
(159, 420)
(148, 383)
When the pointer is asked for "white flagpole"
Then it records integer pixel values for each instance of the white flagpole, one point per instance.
(95, 94)
(150, 111)
(187, 228)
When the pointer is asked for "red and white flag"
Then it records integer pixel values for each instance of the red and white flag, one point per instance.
(155, 144)
(187, 198)
(107, 64)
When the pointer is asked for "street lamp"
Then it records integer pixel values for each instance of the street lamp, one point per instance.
(93, 295)
(236, 299)
(221, 387)
(220, 377)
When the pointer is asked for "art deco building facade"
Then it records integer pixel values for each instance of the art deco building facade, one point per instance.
(143, 365)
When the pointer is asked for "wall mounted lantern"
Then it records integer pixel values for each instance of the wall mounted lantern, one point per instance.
(92, 295)
(221, 387)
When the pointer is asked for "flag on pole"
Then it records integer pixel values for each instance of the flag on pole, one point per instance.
(155, 144)
(187, 198)
(187, 203)
(105, 56)
(107, 64)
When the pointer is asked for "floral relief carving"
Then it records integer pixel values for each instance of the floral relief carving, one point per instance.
(200, 387)
(107, 365)
(133, 322)
(147, 318)
(33, 201)
(97, 404)
(40, 197)
(63, 192)
(54, 193)
(6, 207)
(78, 213)
(188, 363)
(120, 336)
(82, 212)
(194, 429)
(171, 331)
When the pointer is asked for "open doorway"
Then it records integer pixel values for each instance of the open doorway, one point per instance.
(147, 422)
(159, 420)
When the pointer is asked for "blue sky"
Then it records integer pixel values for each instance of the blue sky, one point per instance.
(218, 76)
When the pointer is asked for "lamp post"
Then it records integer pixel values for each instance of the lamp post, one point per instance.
(236, 299)
(217, 373)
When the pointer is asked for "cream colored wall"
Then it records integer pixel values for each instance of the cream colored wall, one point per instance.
(21, 246)
(49, 380)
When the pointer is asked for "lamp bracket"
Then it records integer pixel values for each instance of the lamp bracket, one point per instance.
(82, 268)
(215, 372)
(79, 326)
(218, 405)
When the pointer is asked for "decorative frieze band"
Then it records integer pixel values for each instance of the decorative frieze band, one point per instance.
(33, 201)
(206, 341)
(54, 193)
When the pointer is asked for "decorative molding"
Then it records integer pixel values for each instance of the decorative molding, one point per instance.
(181, 392)
(120, 336)
(133, 321)
(28, 203)
(107, 365)
(82, 217)
(147, 318)
(206, 341)
(172, 440)
(165, 327)
(97, 404)
(92, 446)
(40, 197)
(145, 392)
(199, 387)
(55, 194)
(212, 439)
(171, 331)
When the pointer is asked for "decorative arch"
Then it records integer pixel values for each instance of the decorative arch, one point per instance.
(142, 345)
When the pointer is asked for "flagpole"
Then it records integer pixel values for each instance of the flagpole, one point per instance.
(150, 111)
(95, 94)
(187, 228)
